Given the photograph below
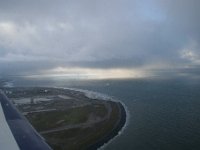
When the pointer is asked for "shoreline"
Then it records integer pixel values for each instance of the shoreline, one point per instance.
(121, 121)
(114, 132)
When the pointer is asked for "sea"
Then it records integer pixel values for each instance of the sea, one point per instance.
(163, 114)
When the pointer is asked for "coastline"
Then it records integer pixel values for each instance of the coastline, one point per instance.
(123, 121)
(121, 118)
(104, 140)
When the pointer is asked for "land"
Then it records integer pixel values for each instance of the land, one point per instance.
(68, 119)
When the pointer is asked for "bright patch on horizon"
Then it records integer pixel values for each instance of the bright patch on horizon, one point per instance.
(92, 73)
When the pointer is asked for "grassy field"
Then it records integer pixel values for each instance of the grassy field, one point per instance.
(49, 120)
(82, 138)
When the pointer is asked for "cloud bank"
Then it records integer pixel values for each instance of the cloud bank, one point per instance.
(42, 35)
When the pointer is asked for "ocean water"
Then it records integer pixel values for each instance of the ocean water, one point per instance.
(164, 114)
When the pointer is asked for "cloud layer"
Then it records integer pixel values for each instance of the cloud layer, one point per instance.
(117, 34)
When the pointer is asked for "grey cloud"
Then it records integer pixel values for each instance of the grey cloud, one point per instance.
(101, 34)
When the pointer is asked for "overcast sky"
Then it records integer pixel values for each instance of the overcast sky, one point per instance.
(106, 37)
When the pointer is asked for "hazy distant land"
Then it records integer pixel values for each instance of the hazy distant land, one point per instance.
(69, 119)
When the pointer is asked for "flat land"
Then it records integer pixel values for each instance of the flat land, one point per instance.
(68, 119)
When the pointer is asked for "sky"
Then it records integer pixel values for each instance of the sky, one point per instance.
(100, 38)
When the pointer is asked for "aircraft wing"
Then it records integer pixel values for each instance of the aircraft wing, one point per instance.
(16, 133)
